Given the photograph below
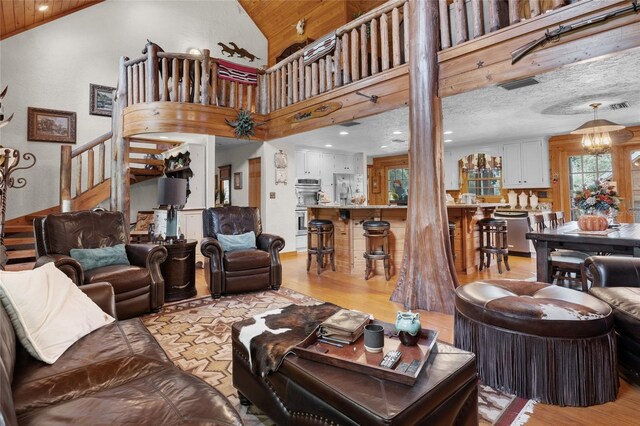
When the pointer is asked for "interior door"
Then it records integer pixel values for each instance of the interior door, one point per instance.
(255, 176)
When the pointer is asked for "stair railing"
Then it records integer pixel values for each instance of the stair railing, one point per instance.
(72, 165)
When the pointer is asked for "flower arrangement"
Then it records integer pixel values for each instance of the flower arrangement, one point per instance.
(597, 197)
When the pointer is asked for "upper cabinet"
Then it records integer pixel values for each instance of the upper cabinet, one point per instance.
(343, 163)
(525, 164)
(451, 171)
(308, 164)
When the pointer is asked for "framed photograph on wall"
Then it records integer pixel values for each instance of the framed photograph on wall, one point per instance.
(237, 180)
(50, 125)
(101, 100)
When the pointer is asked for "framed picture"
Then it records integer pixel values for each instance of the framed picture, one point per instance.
(237, 180)
(50, 125)
(101, 100)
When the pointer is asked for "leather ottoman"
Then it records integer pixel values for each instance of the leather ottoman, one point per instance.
(304, 392)
(539, 341)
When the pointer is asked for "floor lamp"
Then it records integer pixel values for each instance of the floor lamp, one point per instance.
(172, 192)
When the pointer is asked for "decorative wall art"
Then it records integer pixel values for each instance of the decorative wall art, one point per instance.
(235, 50)
(315, 112)
(4, 122)
(50, 125)
(237, 180)
(281, 163)
(101, 100)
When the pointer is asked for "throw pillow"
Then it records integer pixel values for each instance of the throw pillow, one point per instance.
(48, 311)
(237, 242)
(98, 257)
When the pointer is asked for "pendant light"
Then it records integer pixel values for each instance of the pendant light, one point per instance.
(595, 133)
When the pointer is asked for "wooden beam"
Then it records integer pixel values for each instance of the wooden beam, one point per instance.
(427, 277)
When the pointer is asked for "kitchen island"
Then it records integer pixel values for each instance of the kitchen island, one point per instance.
(350, 242)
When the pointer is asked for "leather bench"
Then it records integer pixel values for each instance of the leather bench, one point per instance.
(117, 374)
(304, 392)
(539, 341)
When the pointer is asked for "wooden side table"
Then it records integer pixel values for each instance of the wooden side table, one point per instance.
(179, 271)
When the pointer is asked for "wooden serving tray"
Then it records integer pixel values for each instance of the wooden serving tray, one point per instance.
(354, 357)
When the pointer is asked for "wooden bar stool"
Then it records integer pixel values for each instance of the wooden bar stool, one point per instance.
(493, 241)
(376, 231)
(324, 243)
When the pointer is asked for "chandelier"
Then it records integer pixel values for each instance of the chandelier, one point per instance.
(596, 139)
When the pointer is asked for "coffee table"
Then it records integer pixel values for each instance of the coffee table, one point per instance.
(307, 392)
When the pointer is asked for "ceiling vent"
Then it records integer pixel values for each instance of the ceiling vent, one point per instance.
(620, 105)
(350, 124)
(517, 84)
(398, 140)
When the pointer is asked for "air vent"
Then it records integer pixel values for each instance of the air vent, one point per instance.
(350, 124)
(398, 140)
(621, 105)
(517, 84)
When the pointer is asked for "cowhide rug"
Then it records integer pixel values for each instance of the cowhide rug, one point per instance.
(196, 335)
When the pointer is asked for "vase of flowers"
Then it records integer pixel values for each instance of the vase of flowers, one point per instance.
(595, 202)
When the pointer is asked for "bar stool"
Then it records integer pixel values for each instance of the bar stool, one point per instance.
(452, 238)
(493, 241)
(376, 231)
(324, 243)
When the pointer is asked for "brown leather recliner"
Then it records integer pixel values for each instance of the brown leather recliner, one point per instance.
(139, 287)
(240, 270)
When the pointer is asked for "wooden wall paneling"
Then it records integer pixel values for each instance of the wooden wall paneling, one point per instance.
(29, 13)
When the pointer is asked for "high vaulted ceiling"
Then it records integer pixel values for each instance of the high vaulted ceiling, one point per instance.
(17, 16)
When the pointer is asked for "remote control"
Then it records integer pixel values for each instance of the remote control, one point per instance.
(390, 359)
(413, 367)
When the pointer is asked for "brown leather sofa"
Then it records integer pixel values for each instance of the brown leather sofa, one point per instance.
(616, 281)
(117, 374)
(139, 287)
(240, 270)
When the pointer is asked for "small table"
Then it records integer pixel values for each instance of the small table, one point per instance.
(625, 240)
(179, 271)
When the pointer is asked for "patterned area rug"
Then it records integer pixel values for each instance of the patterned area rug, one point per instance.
(196, 335)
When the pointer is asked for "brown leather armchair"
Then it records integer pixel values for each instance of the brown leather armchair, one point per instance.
(616, 281)
(139, 287)
(240, 270)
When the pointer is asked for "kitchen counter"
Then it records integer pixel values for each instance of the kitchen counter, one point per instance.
(394, 206)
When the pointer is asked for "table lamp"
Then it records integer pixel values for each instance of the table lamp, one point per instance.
(172, 192)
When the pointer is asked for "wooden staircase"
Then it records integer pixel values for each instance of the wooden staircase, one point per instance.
(82, 173)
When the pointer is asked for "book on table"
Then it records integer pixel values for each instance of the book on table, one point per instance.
(345, 326)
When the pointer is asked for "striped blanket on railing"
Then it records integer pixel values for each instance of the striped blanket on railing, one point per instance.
(239, 73)
(319, 48)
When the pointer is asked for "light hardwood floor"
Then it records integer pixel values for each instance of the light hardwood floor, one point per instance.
(372, 296)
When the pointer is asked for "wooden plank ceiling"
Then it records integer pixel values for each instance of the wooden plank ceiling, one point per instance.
(17, 16)
(277, 18)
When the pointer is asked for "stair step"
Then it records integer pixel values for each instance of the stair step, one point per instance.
(16, 241)
(156, 141)
(23, 266)
(145, 172)
(151, 161)
(21, 254)
(18, 228)
(140, 150)
(32, 217)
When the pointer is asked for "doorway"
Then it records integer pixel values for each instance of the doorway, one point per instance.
(255, 176)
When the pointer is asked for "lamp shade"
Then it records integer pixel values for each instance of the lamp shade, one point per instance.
(172, 191)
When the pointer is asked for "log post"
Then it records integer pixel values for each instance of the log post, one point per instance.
(153, 84)
(289, 83)
(78, 175)
(296, 85)
(314, 79)
(283, 87)
(120, 184)
(186, 81)
(558, 3)
(65, 178)
(328, 72)
(278, 89)
(308, 83)
(214, 84)
(514, 12)
(205, 75)
(445, 33)
(272, 91)
(143, 85)
(197, 79)
(165, 79)
(337, 63)
(322, 81)
(136, 87)
(90, 169)
(461, 21)
(535, 7)
(346, 74)
(175, 78)
(427, 277)
(129, 72)
(101, 161)
(374, 45)
(355, 63)
(384, 41)
(478, 22)
(364, 54)
(407, 25)
(395, 37)
(494, 16)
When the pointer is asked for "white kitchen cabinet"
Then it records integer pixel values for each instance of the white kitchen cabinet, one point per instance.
(525, 165)
(308, 164)
(358, 164)
(343, 164)
(190, 224)
(326, 172)
(451, 172)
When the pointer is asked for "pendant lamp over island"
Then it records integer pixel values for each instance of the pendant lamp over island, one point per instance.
(596, 139)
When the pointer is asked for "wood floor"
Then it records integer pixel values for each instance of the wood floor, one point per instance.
(373, 296)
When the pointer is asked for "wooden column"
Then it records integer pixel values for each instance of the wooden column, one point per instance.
(461, 21)
(336, 62)
(535, 7)
(514, 12)
(65, 178)
(206, 76)
(478, 22)
(120, 185)
(427, 277)
(395, 37)
(153, 92)
(445, 34)
(346, 75)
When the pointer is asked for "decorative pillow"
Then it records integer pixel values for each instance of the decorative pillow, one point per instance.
(237, 242)
(98, 257)
(48, 311)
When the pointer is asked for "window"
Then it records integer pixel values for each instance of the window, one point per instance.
(483, 174)
(398, 184)
(585, 170)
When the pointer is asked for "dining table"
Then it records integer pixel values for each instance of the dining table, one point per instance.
(620, 239)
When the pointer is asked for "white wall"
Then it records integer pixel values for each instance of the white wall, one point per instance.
(239, 159)
(51, 66)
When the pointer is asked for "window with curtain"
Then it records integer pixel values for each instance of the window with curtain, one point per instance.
(585, 170)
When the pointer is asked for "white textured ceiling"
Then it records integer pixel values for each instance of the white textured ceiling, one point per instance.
(559, 104)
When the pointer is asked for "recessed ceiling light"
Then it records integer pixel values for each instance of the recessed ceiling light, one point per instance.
(328, 145)
(383, 146)
(448, 132)
(164, 137)
(448, 140)
(43, 7)
(344, 133)
(397, 132)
